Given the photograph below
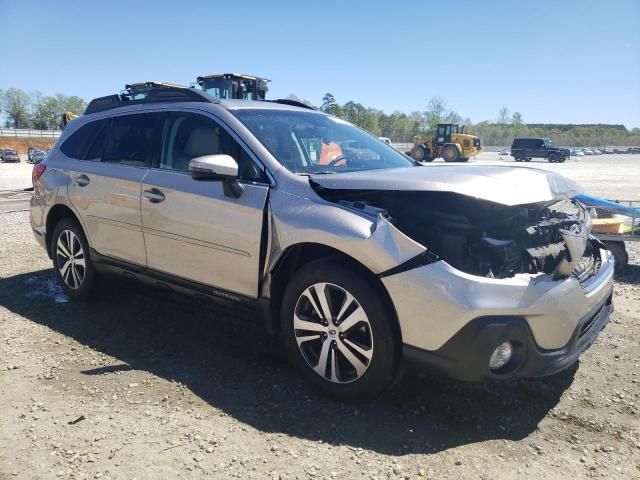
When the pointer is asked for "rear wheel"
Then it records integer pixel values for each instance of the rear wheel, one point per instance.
(528, 159)
(450, 154)
(620, 255)
(337, 331)
(71, 260)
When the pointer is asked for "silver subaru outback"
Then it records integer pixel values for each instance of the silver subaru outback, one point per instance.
(363, 261)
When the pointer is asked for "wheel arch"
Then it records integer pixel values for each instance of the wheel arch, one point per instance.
(57, 213)
(298, 255)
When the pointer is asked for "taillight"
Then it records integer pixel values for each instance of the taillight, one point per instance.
(37, 172)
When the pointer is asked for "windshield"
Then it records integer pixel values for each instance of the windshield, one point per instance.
(308, 142)
(548, 142)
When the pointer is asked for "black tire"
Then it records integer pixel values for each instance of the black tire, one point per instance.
(380, 369)
(620, 255)
(553, 158)
(450, 154)
(85, 277)
(528, 159)
(419, 153)
(518, 158)
(462, 159)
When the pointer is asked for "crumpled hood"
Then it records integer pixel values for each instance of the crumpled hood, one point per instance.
(494, 183)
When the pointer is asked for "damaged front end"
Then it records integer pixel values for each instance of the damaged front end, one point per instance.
(484, 238)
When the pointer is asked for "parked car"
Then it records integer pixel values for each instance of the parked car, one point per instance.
(37, 156)
(618, 150)
(504, 152)
(361, 266)
(524, 149)
(588, 151)
(385, 140)
(9, 155)
(579, 153)
(596, 151)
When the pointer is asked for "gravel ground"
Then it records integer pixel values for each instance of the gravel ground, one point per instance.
(141, 384)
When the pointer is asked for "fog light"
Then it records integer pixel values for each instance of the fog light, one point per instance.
(501, 356)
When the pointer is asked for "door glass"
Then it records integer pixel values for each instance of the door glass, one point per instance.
(97, 145)
(189, 135)
(77, 145)
(134, 139)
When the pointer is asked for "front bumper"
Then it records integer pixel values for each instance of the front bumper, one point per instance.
(465, 356)
(436, 303)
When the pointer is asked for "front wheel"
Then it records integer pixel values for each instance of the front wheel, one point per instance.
(337, 331)
(553, 158)
(72, 261)
(450, 154)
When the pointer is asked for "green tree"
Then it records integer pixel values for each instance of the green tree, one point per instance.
(436, 111)
(330, 106)
(16, 106)
(516, 121)
(503, 116)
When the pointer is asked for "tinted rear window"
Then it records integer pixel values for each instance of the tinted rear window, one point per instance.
(134, 139)
(78, 144)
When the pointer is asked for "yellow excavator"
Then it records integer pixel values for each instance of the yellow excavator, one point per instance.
(450, 143)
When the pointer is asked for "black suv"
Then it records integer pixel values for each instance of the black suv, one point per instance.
(524, 149)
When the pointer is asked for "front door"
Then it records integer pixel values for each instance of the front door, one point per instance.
(192, 230)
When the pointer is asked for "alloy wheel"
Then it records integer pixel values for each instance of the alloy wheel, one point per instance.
(333, 333)
(70, 259)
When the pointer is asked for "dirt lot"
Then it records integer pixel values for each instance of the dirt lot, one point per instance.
(139, 384)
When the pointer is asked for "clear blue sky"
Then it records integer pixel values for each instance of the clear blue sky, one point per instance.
(554, 61)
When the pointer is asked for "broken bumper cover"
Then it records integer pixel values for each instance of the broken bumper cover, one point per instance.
(450, 320)
(465, 356)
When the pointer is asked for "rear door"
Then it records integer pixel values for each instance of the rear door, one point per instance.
(192, 229)
(540, 150)
(105, 183)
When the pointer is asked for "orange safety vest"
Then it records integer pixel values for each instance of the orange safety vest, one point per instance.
(328, 152)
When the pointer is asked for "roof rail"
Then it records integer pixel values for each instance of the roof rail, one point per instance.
(293, 103)
(155, 94)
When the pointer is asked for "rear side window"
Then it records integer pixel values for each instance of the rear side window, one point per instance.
(134, 139)
(99, 141)
(79, 143)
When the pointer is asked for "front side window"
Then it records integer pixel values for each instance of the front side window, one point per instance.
(134, 139)
(309, 142)
(190, 135)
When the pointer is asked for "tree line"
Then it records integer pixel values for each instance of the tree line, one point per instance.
(35, 110)
(401, 127)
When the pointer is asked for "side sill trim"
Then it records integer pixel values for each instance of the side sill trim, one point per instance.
(171, 279)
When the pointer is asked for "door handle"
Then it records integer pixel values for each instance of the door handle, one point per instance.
(82, 180)
(154, 195)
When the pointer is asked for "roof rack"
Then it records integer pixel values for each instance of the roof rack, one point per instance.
(157, 92)
(293, 103)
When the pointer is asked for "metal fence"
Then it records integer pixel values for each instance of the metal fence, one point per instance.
(403, 147)
(28, 133)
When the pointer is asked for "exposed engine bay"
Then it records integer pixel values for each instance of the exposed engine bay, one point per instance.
(485, 238)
